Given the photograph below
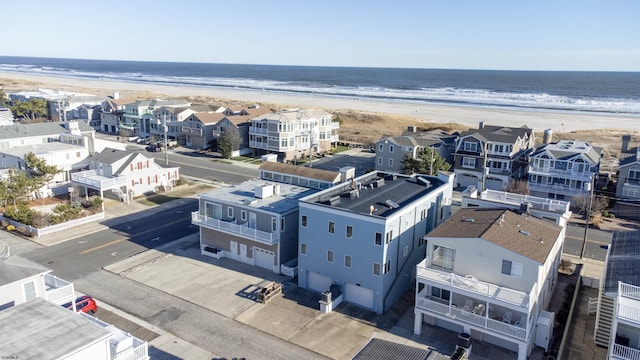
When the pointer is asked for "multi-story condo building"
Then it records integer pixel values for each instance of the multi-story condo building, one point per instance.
(628, 188)
(618, 314)
(137, 116)
(293, 133)
(490, 273)
(256, 222)
(563, 170)
(366, 235)
(491, 157)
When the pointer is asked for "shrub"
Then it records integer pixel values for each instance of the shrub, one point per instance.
(21, 213)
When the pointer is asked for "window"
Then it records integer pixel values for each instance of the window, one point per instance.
(468, 162)
(405, 251)
(349, 231)
(470, 146)
(230, 212)
(303, 221)
(376, 269)
(29, 290)
(380, 160)
(423, 214)
(422, 242)
(281, 224)
(378, 238)
(511, 268)
(387, 267)
(274, 224)
(380, 147)
(443, 257)
(330, 256)
(213, 210)
(440, 293)
(388, 237)
(390, 148)
(332, 227)
(347, 261)
(243, 215)
(390, 161)
(303, 248)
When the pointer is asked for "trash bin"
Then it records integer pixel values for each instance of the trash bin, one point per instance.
(464, 340)
(326, 296)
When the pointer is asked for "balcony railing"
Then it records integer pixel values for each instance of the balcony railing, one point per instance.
(58, 291)
(518, 199)
(191, 131)
(138, 351)
(556, 189)
(261, 131)
(475, 286)
(564, 174)
(482, 321)
(91, 178)
(259, 145)
(234, 228)
(624, 352)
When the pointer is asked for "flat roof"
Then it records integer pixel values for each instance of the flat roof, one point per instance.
(41, 330)
(40, 149)
(385, 192)
(16, 268)
(244, 194)
(623, 260)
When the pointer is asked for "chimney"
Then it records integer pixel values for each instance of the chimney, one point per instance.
(412, 128)
(116, 95)
(481, 125)
(626, 138)
(548, 134)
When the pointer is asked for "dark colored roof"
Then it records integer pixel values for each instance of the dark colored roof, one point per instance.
(520, 233)
(499, 133)
(623, 260)
(629, 157)
(311, 173)
(378, 349)
(566, 150)
(15, 268)
(39, 129)
(110, 155)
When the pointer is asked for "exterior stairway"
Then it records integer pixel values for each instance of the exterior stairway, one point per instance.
(604, 319)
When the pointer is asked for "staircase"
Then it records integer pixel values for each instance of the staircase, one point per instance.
(604, 319)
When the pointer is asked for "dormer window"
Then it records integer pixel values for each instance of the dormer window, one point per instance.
(470, 146)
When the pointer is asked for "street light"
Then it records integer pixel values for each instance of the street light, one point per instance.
(588, 216)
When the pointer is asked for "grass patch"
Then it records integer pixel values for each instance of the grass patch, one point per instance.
(223, 161)
(341, 148)
(157, 199)
(247, 159)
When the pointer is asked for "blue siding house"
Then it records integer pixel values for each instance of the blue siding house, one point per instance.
(365, 235)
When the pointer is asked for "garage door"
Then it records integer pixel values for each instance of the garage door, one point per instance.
(494, 184)
(318, 282)
(359, 295)
(263, 258)
(465, 180)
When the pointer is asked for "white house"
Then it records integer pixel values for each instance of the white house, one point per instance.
(41, 330)
(490, 273)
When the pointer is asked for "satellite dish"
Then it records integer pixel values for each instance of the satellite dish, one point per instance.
(4, 250)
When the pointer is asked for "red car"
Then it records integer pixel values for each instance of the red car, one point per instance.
(84, 303)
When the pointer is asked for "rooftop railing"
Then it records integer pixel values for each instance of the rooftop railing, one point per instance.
(232, 227)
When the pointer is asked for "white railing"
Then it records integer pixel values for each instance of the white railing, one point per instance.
(259, 145)
(565, 174)
(191, 131)
(518, 199)
(629, 291)
(255, 130)
(139, 350)
(470, 284)
(628, 312)
(234, 228)
(84, 177)
(482, 321)
(58, 291)
(624, 352)
(557, 189)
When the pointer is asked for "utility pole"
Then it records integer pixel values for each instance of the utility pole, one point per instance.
(588, 216)
(485, 169)
(166, 146)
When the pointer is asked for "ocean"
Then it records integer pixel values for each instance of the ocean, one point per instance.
(579, 91)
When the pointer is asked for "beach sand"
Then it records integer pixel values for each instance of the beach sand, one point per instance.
(559, 122)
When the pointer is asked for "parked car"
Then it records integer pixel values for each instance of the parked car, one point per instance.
(84, 303)
(152, 148)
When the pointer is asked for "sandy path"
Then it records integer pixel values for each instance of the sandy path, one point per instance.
(466, 115)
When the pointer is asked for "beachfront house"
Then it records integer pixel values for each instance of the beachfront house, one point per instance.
(617, 324)
(256, 222)
(628, 188)
(74, 107)
(563, 170)
(490, 273)
(173, 117)
(492, 157)
(112, 113)
(293, 134)
(133, 123)
(365, 236)
(127, 174)
(39, 329)
(23, 280)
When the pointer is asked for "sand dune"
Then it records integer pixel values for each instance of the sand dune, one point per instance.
(465, 115)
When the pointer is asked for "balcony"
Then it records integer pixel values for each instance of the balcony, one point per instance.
(518, 199)
(461, 315)
(624, 352)
(124, 346)
(476, 287)
(629, 303)
(232, 227)
(259, 145)
(556, 189)
(559, 173)
(259, 131)
(191, 131)
(58, 291)
(92, 179)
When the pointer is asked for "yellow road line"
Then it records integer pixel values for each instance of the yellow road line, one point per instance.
(102, 246)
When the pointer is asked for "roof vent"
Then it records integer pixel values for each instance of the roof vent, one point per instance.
(392, 204)
(469, 220)
(524, 232)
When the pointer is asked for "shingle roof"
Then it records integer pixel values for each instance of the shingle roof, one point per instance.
(111, 155)
(499, 133)
(520, 233)
(209, 118)
(378, 349)
(623, 260)
(568, 149)
(311, 173)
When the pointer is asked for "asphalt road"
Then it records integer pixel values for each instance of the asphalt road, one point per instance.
(73, 259)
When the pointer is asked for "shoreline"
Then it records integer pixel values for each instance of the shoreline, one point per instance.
(467, 115)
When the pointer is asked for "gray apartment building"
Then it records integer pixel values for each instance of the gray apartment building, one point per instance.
(365, 235)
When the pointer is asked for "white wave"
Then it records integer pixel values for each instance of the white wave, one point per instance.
(445, 94)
